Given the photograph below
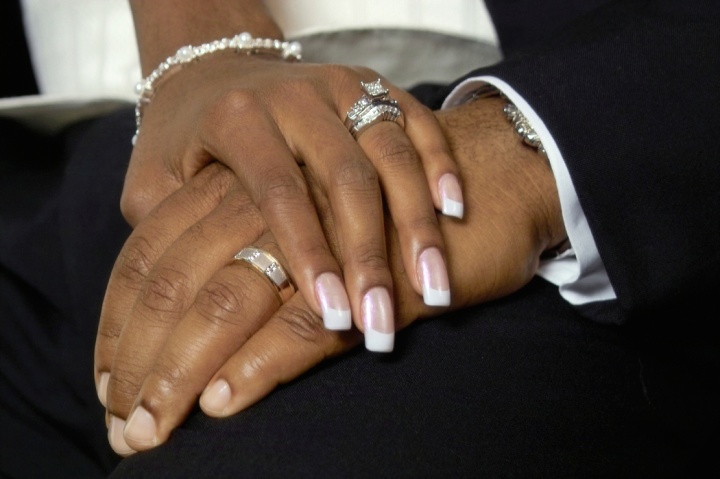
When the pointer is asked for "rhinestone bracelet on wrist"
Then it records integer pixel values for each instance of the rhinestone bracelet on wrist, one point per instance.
(513, 114)
(243, 42)
(529, 137)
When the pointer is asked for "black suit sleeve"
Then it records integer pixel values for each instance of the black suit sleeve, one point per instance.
(629, 92)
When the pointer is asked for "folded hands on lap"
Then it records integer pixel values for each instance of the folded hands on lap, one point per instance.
(183, 321)
(265, 119)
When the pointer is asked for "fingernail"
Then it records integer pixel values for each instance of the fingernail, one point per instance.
(451, 195)
(377, 315)
(434, 278)
(102, 388)
(140, 427)
(334, 302)
(116, 437)
(216, 397)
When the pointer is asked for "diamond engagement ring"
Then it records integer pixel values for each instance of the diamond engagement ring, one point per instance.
(373, 107)
(265, 263)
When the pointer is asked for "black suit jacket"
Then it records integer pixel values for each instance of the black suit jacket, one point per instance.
(629, 91)
(18, 78)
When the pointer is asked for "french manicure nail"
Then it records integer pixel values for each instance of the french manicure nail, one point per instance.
(434, 278)
(216, 397)
(451, 195)
(334, 302)
(377, 315)
(141, 428)
(116, 437)
(102, 386)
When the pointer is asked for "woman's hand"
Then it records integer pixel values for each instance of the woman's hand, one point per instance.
(180, 321)
(264, 118)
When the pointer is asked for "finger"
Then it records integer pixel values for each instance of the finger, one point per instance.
(228, 309)
(168, 291)
(441, 169)
(293, 341)
(271, 174)
(289, 344)
(139, 254)
(133, 264)
(353, 189)
(351, 183)
(404, 184)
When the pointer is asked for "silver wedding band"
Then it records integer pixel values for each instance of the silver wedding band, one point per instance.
(374, 106)
(265, 263)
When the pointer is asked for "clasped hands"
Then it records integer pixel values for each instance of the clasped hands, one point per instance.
(260, 156)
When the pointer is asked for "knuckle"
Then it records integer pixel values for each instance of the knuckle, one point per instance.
(313, 250)
(360, 176)
(242, 206)
(282, 187)
(168, 377)
(257, 364)
(197, 231)
(220, 304)
(232, 104)
(134, 206)
(391, 151)
(123, 387)
(211, 185)
(136, 260)
(167, 289)
(109, 330)
(370, 255)
(300, 323)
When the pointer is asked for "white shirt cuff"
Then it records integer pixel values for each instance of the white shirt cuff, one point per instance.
(579, 272)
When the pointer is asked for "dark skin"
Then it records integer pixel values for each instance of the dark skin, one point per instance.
(265, 119)
(224, 338)
(236, 152)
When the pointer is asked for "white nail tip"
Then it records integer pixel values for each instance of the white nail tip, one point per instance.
(436, 297)
(452, 208)
(379, 342)
(337, 319)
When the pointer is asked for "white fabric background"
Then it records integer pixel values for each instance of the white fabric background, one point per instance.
(86, 48)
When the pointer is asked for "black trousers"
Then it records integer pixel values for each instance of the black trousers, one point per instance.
(60, 231)
(520, 387)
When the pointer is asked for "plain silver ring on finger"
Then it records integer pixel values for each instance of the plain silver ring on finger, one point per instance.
(270, 268)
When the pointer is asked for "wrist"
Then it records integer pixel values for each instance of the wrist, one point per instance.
(164, 26)
(528, 147)
(513, 209)
(241, 43)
